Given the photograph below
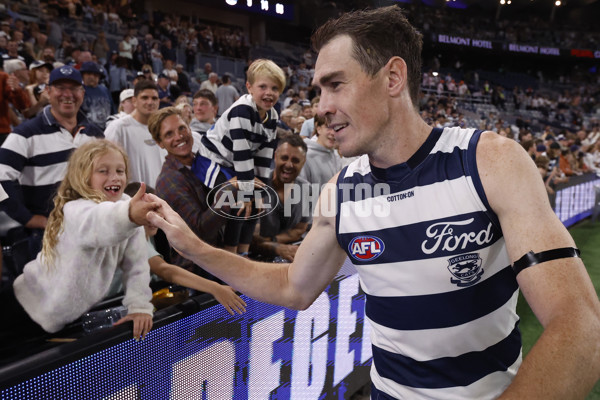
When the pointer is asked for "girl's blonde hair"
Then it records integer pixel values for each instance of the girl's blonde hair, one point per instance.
(76, 185)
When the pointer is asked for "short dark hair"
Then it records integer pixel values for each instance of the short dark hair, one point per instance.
(320, 120)
(207, 94)
(225, 79)
(527, 144)
(143, 85)
(293, 140)
(377, 36)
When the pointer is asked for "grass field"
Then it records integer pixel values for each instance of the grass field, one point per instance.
(587, 237)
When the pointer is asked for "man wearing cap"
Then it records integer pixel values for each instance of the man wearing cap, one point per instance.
(33, 158)
(147, 74)
(139, 76)
(38, 97)
(164, 93)
(126, 106)
(540, 150)
(39, 73)
(97, 102)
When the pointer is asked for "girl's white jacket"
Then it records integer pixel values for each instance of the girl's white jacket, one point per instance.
(96, 239)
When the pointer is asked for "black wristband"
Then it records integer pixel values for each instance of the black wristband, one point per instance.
(530, 259)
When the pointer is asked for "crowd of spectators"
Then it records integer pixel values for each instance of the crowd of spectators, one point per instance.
(527, 26)
(74, 89)
(61, 30)
(559, 128)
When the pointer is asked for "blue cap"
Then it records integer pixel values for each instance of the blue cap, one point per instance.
(92, 67)
(66, 72)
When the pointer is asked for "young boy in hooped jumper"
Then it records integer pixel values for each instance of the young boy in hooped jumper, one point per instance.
(241, 144)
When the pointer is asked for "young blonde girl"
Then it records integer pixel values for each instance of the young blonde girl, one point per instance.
(93, 229)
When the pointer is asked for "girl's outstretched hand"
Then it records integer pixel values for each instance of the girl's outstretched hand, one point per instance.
(139, 206)
(142, 323)
(229, 299)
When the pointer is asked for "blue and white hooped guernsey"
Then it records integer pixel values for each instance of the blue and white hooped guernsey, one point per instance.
(441, 294)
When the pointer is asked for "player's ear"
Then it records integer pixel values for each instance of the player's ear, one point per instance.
(397, 75)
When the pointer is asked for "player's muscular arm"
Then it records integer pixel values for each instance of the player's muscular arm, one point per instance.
(294, 285)
(565, 361)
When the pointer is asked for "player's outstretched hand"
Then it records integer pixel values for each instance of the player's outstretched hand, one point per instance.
(178, 233)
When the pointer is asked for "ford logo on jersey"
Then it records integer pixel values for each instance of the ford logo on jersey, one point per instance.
(366, 248)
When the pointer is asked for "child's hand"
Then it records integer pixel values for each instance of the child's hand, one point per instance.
(142, 323)
(139, 206)
(287, 251)
(229, 299)
(246, 209)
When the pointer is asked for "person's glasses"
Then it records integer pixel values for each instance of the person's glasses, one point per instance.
(63, 89)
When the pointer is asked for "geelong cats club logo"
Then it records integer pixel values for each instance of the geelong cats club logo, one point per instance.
(366, 248)
(466, 268)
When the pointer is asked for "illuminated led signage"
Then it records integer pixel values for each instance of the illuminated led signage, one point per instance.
(266, 7)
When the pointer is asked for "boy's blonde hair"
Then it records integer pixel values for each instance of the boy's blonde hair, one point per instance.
(76, 185)
(264, 67)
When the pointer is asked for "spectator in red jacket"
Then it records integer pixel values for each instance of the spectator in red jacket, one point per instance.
(11, 92)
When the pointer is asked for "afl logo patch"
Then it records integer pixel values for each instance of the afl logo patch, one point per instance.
(366, 248)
